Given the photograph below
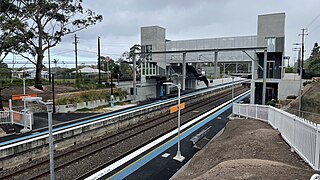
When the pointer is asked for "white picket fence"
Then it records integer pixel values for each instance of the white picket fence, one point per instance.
(302, 135)
(14, 117)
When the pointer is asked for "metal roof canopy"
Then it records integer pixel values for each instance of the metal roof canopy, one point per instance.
(220, 61)
(216, 50)
(203, 50)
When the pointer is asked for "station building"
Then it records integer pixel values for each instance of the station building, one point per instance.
(210, 58)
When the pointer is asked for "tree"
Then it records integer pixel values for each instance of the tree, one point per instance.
(3, 65)
(315, 50)
(45, 23)
(124, 68)
(314, 60)
(135, 48)
(9, 24)
(5, 72)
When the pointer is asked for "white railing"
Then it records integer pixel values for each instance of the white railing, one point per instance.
(15, 117)
(5, 117)
(302, 135)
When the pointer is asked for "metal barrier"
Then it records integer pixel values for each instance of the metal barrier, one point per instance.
(5, 117)
(15, 117)
(302, 135)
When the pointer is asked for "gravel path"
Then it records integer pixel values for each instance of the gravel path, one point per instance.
(248, 149)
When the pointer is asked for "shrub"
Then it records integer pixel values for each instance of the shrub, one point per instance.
(291, 97)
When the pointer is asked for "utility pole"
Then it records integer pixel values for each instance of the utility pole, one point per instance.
(301, 68)
(302, 49)
(99, 64)
(76, 56)
(134, 76)
(53, 95)
(49, 66)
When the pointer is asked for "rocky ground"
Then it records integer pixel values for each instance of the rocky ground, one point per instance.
(247, 149)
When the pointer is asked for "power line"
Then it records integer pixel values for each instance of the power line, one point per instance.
(314, 29)
(63, 52)
(313, 20)
(96, 52)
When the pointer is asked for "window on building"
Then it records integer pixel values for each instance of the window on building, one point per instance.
(271, 44)
(149, 49)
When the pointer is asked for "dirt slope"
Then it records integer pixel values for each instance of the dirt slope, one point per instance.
(248, 149)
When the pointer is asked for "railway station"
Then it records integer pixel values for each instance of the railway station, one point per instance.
(189, 96)
(195, 63)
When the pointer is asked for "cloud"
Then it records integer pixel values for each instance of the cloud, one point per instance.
(186, 19)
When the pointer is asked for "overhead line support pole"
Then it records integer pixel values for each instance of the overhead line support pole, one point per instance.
(76, 57)
(99, 61)
(264, 83)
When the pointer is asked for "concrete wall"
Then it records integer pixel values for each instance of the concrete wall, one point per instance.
(23, 153)
(89, 104)
(288, 87)
(269, 26)
(155, 36)
(73, 107)
(146, 91)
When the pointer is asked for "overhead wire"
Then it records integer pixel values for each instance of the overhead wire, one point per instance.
(313, 20)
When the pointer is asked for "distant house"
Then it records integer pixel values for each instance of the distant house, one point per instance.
(31, 74)
(89, 72)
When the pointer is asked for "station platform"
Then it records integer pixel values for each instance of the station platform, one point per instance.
(157, 161)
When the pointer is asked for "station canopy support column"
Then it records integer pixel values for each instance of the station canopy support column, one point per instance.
(216, 64)
(184, 71)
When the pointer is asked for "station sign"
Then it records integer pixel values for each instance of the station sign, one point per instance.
(107, 58)
(21, 96)
(174, 108)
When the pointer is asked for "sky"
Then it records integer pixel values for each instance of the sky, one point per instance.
(183, 19)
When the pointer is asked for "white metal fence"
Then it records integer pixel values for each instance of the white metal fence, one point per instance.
(5, 117)
(302, 135)
(14, 117)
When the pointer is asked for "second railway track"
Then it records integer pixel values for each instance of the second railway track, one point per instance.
(85, 159)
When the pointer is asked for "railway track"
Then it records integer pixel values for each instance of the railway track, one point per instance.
(78, 154)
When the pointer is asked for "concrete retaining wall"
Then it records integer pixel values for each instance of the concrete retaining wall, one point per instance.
(89, 104)
(24, 153)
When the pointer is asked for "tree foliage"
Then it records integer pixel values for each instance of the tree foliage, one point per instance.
(314, 60)
(40, 25)
(4, 71)
(9, 25)
(135, 48)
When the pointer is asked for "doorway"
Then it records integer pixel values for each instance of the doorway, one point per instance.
(270, 69)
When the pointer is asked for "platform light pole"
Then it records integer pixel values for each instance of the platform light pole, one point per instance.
(178, 156)
(49, 106)
(232, 90)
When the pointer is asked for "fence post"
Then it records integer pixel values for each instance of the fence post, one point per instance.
(30, 120)
(317, 152)
(233, 107)
(256, 111)
(10, 111)
(247, 109)
(239, 111)
(293, 135)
